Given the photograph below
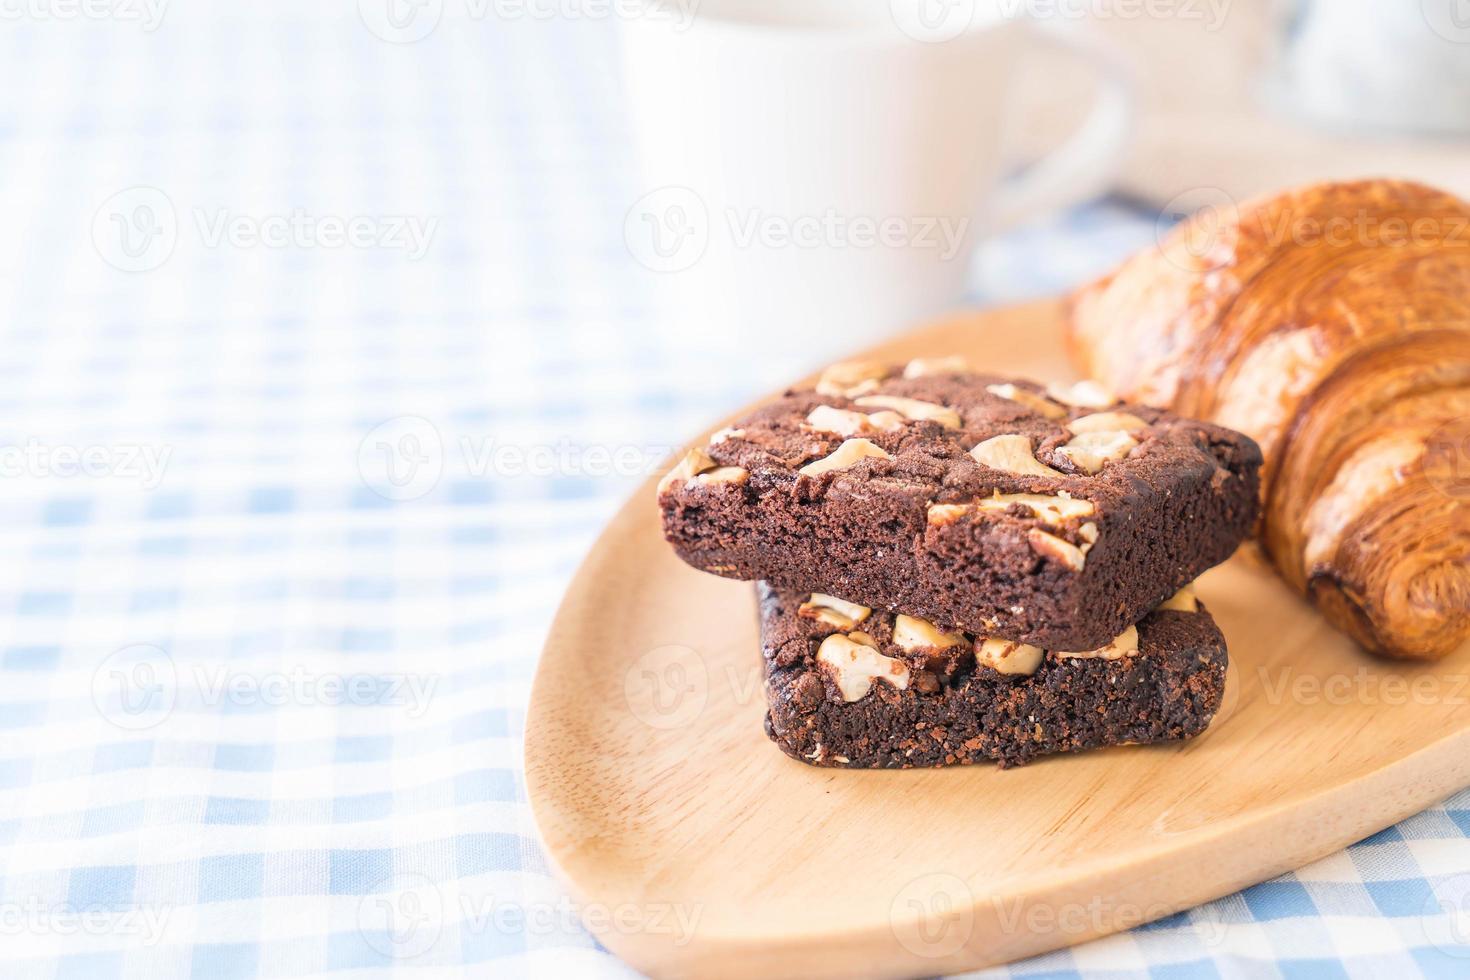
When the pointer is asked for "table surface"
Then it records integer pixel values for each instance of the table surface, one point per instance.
(324, 363)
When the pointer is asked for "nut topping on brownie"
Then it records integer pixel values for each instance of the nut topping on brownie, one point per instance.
(1091, 450)
(912, 408)
(1012, 454)
(1008, 656)
(904, 692)
(833, 611)
(1182, 601)
(921, 367)
(1083, 394)
(845, 455)
(913, 634)
(1054, 517)
(1123, 645)
(1054, 510)
(853, 663)
(1030, 399)
(1107, 422)
(918, 641)
(851, 378)
(1065, 553)
(825, 418)
(697, 466)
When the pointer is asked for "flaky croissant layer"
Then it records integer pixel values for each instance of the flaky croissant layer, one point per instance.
(1332, 325)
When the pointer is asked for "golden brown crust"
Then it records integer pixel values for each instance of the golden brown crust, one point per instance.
(1332, 325)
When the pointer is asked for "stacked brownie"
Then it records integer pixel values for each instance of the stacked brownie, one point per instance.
(958, 567)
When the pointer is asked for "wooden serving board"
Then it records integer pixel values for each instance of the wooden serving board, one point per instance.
(700, 850)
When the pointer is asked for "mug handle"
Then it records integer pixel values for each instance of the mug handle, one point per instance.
(1087, 163)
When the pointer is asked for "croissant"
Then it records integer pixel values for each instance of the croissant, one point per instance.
(1332, 325)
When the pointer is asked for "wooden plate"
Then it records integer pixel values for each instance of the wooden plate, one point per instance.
(699, 849)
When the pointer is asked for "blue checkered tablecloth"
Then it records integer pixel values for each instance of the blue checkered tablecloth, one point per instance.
(323, 363)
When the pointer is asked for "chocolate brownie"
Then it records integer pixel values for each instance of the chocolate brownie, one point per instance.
(1056, 517)
(849, 687)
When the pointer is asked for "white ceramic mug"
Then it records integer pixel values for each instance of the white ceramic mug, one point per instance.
(820, 170)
